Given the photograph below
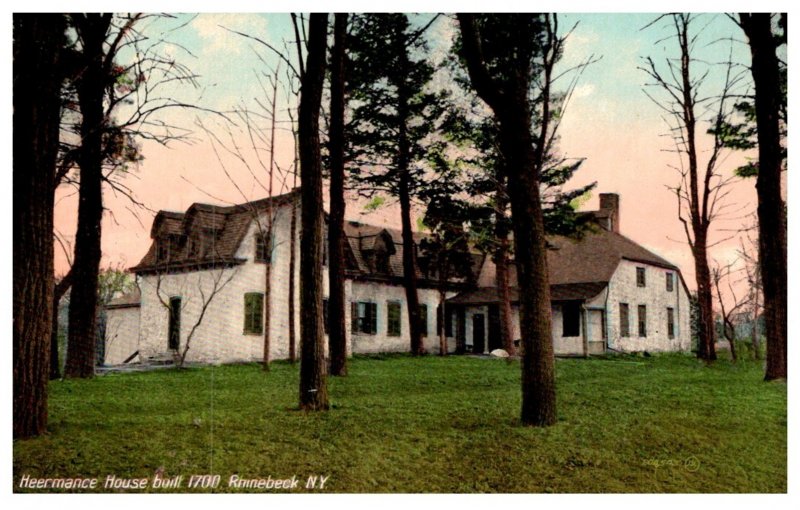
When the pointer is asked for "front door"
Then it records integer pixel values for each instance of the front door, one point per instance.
(174, 323)
(478, 333)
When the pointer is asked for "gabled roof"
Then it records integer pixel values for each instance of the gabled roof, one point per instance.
(595, 257)
(579, 269)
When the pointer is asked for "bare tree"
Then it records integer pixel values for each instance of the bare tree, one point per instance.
(117, 105)
(219, 279)
(700, 191)
(748, 252)
(723, 277)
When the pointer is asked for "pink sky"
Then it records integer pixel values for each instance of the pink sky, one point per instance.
(615, 127)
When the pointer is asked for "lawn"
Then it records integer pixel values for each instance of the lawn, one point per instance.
(400, 424)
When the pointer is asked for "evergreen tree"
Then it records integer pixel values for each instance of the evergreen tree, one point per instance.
(393, 115)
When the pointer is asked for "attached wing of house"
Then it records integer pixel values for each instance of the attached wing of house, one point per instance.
(607, 293)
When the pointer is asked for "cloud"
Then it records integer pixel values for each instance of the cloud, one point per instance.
(218, 39)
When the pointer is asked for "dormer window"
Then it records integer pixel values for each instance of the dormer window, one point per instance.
(162, 252)
(382, 262)
(263, 248)
(166, 248)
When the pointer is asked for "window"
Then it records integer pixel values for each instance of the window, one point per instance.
(624, 323)
(253, 313)
(364, 318)
(423, 320)
(382, 262)
(670, 323)
(393, 323)
(670, 282)
(640, 281)
(642, 320)
(571, 319)
(263, 248)
(163, 250)
(325, 315)
(448, 320)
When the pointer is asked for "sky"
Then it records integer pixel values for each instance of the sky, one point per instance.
(609, 121)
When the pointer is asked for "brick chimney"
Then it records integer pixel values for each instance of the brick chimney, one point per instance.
(609, 204)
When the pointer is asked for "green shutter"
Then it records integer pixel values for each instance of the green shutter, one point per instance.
(393, 322)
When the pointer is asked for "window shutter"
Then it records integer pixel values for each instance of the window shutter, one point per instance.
(354, 317)
(372, 315)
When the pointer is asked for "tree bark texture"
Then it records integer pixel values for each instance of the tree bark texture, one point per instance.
(37, 45)
(313, 377)
(91, 85)
(771, 207)
(337, 333)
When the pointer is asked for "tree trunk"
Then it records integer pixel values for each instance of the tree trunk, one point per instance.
(337, 334)
(771, 207)
(706, 334)
(538, 360)
(313, 378)
(37, 45)
(404, 195)
(501, 266)
(92, 30)
(292, 269)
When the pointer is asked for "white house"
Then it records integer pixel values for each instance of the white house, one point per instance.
(210, 261)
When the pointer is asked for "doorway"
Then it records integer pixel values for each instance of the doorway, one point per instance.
(174, 323)
(478, 333)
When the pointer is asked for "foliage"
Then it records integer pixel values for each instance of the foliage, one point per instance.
(626, 424)
(741, 133)
(387, 84)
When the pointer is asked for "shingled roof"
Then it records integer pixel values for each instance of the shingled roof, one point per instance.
(579, 269)
(364, 239)
(216, 231)
(221, 229)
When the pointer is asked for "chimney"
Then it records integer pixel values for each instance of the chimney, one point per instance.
(609, 203)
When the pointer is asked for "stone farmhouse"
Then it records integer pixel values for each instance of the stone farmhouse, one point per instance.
(608, 293)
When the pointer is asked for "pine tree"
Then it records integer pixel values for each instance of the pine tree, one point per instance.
(393, 114)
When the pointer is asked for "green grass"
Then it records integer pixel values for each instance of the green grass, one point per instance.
(399, 424)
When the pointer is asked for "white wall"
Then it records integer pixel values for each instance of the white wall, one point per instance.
(220, 336)
(122, 334)
(380, 294)
(623, 289)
